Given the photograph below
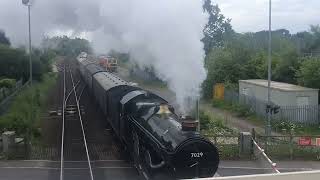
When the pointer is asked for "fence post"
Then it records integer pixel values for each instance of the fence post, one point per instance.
(253, 133)
(8, 138)
(245, 144)
(291, 144)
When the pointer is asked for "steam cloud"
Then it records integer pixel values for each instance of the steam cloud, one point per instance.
(164, 34)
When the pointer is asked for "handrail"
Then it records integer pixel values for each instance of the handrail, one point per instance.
(273, 165)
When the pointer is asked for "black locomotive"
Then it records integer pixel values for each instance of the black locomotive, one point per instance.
(147, 125)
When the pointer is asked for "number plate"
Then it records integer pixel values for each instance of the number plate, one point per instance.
(196, 155)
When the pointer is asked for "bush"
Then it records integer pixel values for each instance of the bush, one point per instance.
(213, 125)
(7, 83)
(18, 118)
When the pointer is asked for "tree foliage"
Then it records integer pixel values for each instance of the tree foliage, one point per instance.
(244, 56)
(217, 28)
(14, 63)
(309, 73)
(66, 46)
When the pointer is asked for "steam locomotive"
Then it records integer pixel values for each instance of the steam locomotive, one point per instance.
(154, 136)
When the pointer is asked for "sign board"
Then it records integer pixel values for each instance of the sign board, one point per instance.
(317, 141)
(305, 141)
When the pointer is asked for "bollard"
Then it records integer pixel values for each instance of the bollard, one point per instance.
(245, 141)
(8, 138)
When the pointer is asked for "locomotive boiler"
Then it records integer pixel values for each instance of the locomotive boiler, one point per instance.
(154, 136)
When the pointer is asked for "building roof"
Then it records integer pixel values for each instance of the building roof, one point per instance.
(108, 80)
(277, 85)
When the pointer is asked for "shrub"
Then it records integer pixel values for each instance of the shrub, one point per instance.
(213, 125)
(7, 83)
(18, 118)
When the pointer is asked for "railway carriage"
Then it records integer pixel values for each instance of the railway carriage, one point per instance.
(147, 125)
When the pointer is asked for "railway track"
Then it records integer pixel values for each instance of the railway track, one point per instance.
(73, 137)
(88, 148)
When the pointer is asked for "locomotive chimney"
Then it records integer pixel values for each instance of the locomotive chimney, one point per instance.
(189, 123)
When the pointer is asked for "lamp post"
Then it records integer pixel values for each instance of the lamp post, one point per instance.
(28, 4)
(27, 136)
(268, 126)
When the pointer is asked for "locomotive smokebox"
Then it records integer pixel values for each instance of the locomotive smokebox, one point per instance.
(189, 123)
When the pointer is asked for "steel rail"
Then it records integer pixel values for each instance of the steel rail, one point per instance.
(63, 123)
(84, 87)
(71, 91)
(83, 132)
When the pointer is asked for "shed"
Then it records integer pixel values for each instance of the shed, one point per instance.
(294, 100)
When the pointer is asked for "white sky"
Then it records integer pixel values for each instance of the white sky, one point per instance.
(252, 15)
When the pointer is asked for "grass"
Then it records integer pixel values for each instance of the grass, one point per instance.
(18, 118)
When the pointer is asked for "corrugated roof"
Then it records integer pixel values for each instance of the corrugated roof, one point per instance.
(277, 85)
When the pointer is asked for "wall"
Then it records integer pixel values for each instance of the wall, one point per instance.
(309, 175)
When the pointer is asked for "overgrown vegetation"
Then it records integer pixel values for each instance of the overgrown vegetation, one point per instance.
(19, 117)
(213, 125)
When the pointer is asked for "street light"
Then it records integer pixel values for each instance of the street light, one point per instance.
(268, 127)
(28, 3)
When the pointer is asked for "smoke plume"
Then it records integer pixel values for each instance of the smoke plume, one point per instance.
(164, 34)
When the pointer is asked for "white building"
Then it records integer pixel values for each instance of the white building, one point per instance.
(298, 104)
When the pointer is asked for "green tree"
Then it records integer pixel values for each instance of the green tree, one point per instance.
(217, 29)
(14, 63)
(66, 46)
(221, 67)
(309, 73)
(287, 66)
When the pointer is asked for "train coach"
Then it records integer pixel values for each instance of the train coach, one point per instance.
(155, 137)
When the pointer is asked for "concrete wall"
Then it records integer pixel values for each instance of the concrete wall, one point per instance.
(309, 175)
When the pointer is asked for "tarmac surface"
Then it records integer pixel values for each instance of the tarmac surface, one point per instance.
(118, 169)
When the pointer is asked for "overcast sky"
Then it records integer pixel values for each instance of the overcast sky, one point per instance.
(67, 16)
(252, 15)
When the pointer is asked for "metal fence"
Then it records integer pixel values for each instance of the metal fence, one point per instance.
(287, 147)
(308, 114)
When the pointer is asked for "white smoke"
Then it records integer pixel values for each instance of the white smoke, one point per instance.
(164, 34)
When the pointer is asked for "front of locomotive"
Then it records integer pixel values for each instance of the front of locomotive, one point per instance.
(195, 158)
(188, 154)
